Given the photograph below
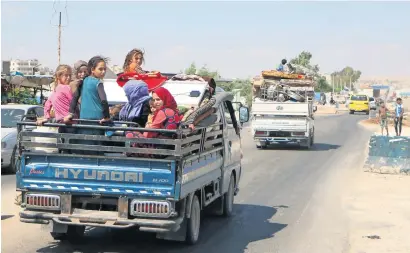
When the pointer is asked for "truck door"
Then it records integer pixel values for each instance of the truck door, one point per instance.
(232, 142)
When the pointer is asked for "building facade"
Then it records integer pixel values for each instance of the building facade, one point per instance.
(26, 67)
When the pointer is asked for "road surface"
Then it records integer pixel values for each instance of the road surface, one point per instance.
(289, 201)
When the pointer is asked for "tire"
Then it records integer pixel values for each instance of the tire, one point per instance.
(367, 112)
(312, 139)
(351, 112)
(58, 236)
(194, 222)
(229, 198)
(308, 143)
(12, 167)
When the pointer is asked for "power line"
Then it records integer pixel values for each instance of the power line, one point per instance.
(55, 8)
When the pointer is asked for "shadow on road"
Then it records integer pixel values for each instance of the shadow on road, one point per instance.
(250, 223)
(316, 147)
(6, 171)
(5, 217)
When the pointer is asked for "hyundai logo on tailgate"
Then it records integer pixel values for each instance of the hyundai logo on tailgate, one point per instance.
(279, 108)
(118, 176)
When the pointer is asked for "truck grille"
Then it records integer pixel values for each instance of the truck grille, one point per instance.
(43, 201)
(150, 208)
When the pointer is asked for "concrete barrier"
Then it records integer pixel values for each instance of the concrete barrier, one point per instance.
(389, 155)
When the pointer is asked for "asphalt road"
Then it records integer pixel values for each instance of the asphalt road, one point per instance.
(289, 201)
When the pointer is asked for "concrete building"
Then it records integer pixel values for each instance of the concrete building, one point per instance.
(27, 67)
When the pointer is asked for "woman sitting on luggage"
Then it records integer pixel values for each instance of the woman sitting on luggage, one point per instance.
(137, 108)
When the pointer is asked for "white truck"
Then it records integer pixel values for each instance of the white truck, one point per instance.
(276, 121)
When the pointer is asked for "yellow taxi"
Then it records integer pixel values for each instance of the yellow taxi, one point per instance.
(359, 103)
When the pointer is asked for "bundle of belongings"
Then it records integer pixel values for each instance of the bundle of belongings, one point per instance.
(190, 117)
(185, 77)
(294, 84)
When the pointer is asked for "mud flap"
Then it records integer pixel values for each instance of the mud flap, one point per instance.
(179, 235)
(390, 155)
(55, 227)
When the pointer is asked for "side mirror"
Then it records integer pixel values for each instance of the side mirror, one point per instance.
(243, 114)
(314, 108)
(29, 117)
(194, 93)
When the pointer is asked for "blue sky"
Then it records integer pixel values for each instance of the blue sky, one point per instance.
(237, 38)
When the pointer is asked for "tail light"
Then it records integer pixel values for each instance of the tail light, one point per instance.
(43, 201)
(150, 208)
(261, 133)
(298, 133)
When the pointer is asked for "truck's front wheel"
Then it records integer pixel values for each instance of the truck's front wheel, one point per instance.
(194, 222)
(229, 198)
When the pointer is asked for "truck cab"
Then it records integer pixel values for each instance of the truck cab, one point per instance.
(100, 186)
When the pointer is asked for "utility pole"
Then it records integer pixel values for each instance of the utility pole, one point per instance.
(59, 39)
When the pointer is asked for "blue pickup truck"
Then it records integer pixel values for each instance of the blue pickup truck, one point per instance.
(70, 181)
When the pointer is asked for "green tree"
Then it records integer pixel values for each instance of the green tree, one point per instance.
(244, 85)
(322, 85)
(304, 59)
(346, 76)
(203, 71)
(191, 70)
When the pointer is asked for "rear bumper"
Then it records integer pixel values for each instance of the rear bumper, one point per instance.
(280, 140)
(359, 108)
(105, 219)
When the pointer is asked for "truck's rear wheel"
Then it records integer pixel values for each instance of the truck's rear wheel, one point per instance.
(194, 222)
(58, 236)
(263, 146)
(229, 198)
(308, 144)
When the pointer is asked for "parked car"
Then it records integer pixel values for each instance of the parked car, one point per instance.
(10, 115)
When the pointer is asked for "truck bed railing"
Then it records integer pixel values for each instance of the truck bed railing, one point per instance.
(178, 143)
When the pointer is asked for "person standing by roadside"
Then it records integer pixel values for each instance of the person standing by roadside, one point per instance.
(398, 116)
(383, 118)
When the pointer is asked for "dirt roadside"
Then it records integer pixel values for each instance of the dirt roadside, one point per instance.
(378, 209)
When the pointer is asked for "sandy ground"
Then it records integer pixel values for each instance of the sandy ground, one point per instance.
(373, 125)
(326, 109)
(378, 209)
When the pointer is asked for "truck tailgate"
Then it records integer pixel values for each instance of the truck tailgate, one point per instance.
(295, 124)
(97, 175)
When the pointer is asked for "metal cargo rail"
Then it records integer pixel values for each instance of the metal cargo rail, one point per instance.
(182, 143)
